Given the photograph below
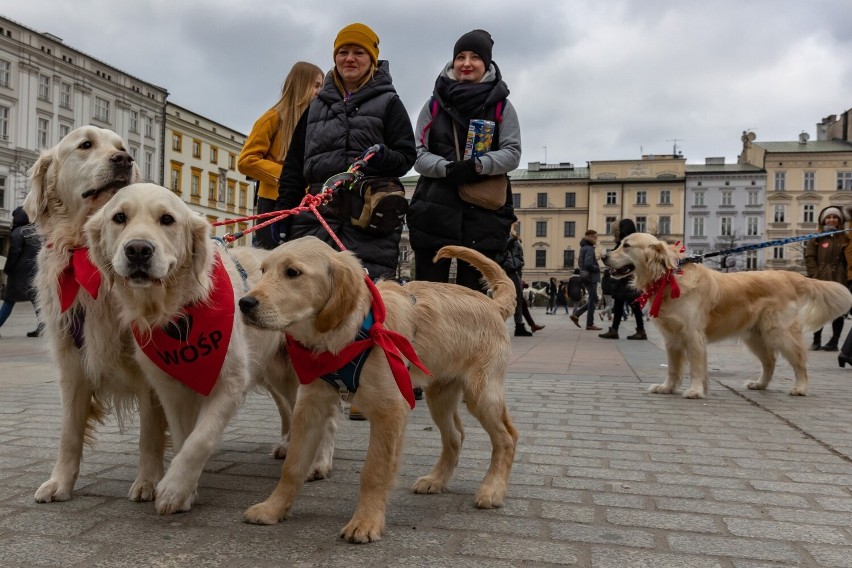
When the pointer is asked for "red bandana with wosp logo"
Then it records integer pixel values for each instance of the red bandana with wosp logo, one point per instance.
(80, 272)
(192, 347)
(310, 365)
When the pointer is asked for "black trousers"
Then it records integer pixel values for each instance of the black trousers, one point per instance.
(425, 269)
(266, 237)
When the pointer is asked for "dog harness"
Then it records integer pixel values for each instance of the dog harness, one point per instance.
(192, 347)
(656, 290)
(80, 273)
(311, 365)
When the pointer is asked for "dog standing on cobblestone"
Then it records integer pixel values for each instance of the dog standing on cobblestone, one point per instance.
(97, 372)
(769, 310)
(177, 291)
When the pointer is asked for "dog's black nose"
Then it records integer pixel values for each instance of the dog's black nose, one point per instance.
(248, 303)
(139, 251)
(121, 159)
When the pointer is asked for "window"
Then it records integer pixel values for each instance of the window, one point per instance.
(221, 187)
(134, 121)
(102, 109)
(751, 260)
(698, 227)
(212, 188)
(43, 133)
(177, 141)
(541, 228)
(753, 198)
(232, 190)
(778, 253)
(642, 197)
(611, 198)
(5, 73)
(570, 199)
(727, 198)
(195, 183)
(541, 200)
(810, 181)
(134, 152)
(149, 126)
(64, 129)
(665, 225)
(232, 162)
(44, 87)
(808, 213)
(665, 198)
(780, 211)
(148, 166)
(780, 181)
(214, 154)
(568, 259)
(540, 258)
(516, 200)
(844, 181)
(65, 95)
(174, 177)
(2, 191)
(570, 228)
(243, 195)
(726, 227)
(641, 224)
(698, 198)
(4, 123)
(196, 148)
(609, 222)
(752, 229)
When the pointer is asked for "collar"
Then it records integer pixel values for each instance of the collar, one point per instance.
(656, 290)
(192, 347)
(80, 273)
(310, 365)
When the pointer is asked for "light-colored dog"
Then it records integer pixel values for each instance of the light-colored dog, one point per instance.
(97, 370)
(166, 274)
(769, 310)
(319, 298)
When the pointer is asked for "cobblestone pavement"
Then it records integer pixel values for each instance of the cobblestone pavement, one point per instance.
(606, 475)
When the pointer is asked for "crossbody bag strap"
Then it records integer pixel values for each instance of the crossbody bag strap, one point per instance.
(456, 138)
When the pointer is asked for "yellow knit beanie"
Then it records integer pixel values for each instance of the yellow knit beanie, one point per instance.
(361, 35)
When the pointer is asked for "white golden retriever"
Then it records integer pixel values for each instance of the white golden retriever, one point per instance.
(95, 360)
(319, 298)
(177, 291)
(769, 310)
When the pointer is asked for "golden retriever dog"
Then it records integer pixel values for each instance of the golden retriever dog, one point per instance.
(319, 298)
(769, 310)
(177, 290)
(98, 373)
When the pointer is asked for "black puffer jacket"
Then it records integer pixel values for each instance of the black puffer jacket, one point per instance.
(329, 137)
(21, 263)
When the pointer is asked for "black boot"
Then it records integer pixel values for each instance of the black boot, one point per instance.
(831, 345)
(521, 330)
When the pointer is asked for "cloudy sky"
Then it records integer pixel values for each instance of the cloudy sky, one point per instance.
(591, 79)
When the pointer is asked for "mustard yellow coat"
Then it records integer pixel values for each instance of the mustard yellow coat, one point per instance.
(258, 158)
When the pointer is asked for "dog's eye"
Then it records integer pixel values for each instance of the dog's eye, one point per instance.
(292, 273)
(167, 220)
(119, 218)
(625, 245)
(85, 145)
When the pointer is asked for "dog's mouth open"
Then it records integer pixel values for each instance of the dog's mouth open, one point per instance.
(141, 278)
(112, 187)
(622, 271)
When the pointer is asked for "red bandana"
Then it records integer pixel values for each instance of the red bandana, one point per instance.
(656, 290)
(310, 365)
(79, 272)
(192, 347)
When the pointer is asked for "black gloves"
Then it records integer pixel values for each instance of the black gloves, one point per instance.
(379, 153)
(459, 173)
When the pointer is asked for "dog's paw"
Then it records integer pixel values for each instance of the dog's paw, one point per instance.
(428, 484)
(264, 514)
(796, 391)
(142, 490)
(663, 388)
(754, 385)
(693, 393)
(51, 490)
(173, 499)
(319, 472)
(280, 451)
(488, 499)
(362, 531)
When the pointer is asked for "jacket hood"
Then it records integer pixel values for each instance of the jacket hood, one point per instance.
(19, 217)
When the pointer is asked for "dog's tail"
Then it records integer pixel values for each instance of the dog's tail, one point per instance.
(822, 302)
(502, 287)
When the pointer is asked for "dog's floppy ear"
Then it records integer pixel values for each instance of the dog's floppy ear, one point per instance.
(343, 287)
(662, 254)
(35, 203)
(94, 229)
(199, 236)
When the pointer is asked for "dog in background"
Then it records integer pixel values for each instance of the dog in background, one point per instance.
(319, 297)
(769, 310)
(97, 371)
(166, 274)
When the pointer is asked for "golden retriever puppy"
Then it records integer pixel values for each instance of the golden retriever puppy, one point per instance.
(97, 370)
(769, 310)
(320, 299)
(177, 290)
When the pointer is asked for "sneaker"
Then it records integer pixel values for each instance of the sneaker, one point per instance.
(593, 328)
(38, 331)
(521, 331)
(815, 347)
(535, 327)
(640, 334)
(611, 334)
(827, 347)
(355, 414)
(576, 320)
(418, 393)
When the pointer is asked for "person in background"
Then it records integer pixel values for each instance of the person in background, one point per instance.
(512, 261)
(825, 259)
(552, 289)
(576, 288)
(623, 293)
(590, 271)
(20, 268)
(730, 264)
(266, 145)
(469, 87)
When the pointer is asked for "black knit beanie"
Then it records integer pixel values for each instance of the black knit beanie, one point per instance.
(477, 41)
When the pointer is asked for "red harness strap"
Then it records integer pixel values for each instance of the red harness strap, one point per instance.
(80, 272)
(310, 365)
(656, 290)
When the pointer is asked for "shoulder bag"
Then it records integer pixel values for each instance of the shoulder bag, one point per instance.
(490, 193)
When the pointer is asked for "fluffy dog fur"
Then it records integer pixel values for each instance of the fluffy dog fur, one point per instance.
(318, 296)
(151, 291)
(769, 310)
(68, 183)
